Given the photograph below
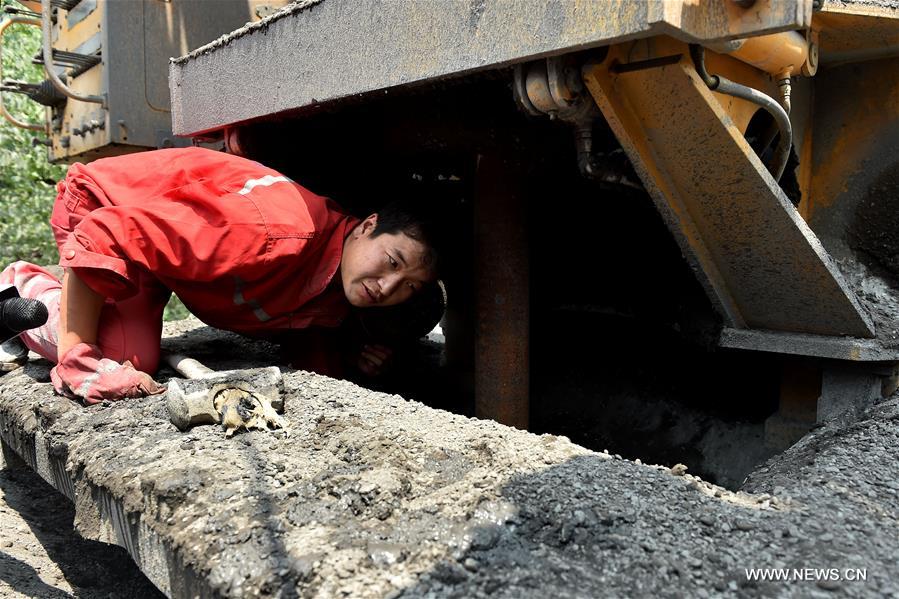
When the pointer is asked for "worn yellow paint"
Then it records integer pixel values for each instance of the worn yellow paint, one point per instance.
(857, 32)
(777, 54)
(869, 110)
(805, 173)
(70, 39)
(705, 20)
(761, 263)
(612, 95)
(89, 83)
(740, 111)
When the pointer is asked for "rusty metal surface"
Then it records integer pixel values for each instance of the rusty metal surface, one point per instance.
(761, 265)
(838, 348)
(855, 146)
(849, 32)
(502, 343)
(851, 193)
(310, 55)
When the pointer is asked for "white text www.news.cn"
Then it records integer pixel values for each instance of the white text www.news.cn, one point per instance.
(807, 574)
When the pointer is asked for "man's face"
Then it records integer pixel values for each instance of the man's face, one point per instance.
(382, 271)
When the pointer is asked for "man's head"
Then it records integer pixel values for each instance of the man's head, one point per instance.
(390, 256)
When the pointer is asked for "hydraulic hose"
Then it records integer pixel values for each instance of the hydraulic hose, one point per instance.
(725, 86)
(782, 153)
(47, 52)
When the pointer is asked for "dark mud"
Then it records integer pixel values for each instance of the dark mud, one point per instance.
(372, 495)
(878, 293)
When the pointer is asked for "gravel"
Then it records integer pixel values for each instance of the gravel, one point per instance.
(372, 495)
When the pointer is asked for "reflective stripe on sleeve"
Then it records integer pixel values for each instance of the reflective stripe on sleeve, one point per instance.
(263, 182)
(239, 300)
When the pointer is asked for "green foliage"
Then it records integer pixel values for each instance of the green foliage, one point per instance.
(175, 310)
(27, 180)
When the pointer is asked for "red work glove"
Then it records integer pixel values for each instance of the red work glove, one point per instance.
(374, 359)
(83, 373)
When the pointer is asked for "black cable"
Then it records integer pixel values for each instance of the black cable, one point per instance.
(725, 86)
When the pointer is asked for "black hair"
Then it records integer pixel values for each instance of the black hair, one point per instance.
(417, 218)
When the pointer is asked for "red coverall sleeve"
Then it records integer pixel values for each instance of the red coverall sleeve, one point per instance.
(198, 241)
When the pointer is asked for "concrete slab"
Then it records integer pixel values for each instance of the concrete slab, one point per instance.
(373, 495)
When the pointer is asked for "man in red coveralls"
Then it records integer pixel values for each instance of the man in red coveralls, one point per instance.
(244, 247)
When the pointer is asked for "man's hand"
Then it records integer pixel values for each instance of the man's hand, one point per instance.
(83, 373)
(373, 359)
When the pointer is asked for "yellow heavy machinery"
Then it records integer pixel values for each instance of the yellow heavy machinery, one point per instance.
(106, 66)
(764, 132)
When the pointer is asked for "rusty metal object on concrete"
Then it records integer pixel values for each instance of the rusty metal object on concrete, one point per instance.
(762, 266)
(347, 49)
(502, 346)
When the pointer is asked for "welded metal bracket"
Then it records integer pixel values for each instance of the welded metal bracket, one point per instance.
(760, 264)
(850, 349)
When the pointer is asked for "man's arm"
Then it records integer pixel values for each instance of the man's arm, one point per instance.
(82, 372)
(79, 314)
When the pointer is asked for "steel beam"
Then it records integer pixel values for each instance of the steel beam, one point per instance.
(761, 265)
(320, 51)
(820, 391)
(852, 31)
(502, 346)
(797, 344)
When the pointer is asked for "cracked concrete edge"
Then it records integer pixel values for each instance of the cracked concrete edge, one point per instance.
(109, 521)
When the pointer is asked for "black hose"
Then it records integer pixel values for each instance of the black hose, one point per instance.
(697, 53)
(782, 153)
(725, 86)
